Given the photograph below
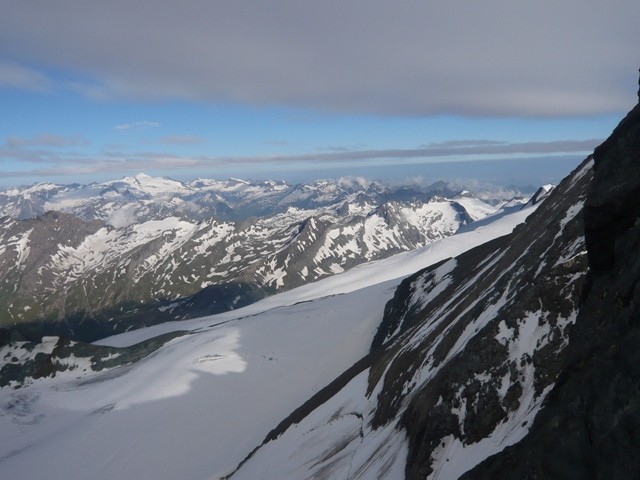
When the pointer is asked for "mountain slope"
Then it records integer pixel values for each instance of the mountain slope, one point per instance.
(482, 361)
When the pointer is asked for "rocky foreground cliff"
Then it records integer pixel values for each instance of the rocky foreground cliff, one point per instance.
(590, 426)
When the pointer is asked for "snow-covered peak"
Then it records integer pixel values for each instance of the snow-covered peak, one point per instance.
(541, 194)
(152, 185)
(144, 197)
(35, 188)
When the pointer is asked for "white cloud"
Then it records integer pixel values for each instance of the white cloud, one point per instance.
(353, 181)
(52, 162)
(123, 216)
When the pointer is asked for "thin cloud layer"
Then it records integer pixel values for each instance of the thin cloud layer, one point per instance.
(137, 125)
(180, 140)
(445, 150)
(495, 57)
(16, 76)
(45, 140)
(55, 163)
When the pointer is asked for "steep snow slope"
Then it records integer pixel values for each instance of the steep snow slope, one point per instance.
(198, 405)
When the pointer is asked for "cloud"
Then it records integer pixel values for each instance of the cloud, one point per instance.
(494, 147)
(46, 140)
(352, 181)
(495, 57)
(445, 151)
(15, 76)
(55, 163)
(180, 140)
(43, 149)
(464, 143)
(137, 125)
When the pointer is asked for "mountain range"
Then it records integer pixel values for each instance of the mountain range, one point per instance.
(142, 197)
(129, 253)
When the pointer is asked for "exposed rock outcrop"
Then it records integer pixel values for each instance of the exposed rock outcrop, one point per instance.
(479, 343)
(589, 427)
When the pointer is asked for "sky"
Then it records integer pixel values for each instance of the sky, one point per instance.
(507, 91)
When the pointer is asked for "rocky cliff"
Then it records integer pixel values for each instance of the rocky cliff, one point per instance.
(589, 428)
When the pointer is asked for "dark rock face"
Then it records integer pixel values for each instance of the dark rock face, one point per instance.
(612, 206)
(590, 426)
